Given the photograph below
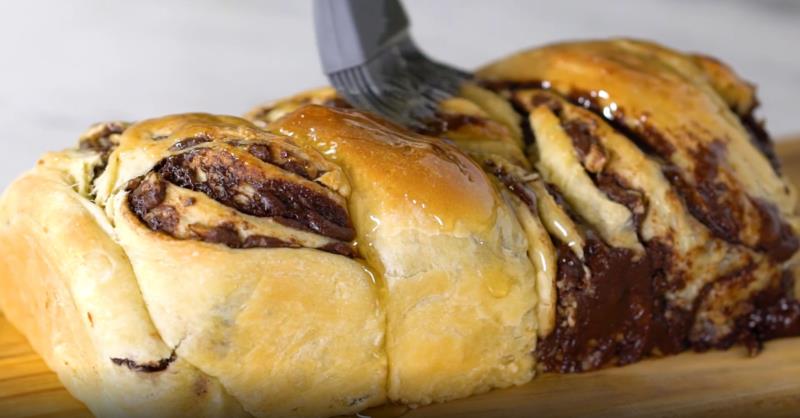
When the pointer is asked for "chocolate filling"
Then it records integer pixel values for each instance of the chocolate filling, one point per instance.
(228, 235)
(513, 184)
(715, 206)
(149, 367)
(263, 241)
(506, 88)
(283, 156)
(617, 191)
(603, 316)
(777, 238)
(775, 314)
(706, 333)
(649, 139)
(145, 194)
(342, 248)
(102, 142)
(615, 314)
(284, 159)
(146, 197)
(760, 138)
(228, 180)
(771, 313)
(582, 136)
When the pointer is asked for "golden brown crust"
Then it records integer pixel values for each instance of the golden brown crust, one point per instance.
(380, 152)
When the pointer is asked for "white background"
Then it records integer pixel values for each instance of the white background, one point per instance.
(67, 63)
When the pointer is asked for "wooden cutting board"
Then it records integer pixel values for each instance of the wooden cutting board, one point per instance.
(716, 384)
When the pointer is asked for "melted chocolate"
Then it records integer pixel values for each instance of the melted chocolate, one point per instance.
(514, 185)
(712, 201)
(228, 235)
(775, 314)
(103, 143)
(603, 316)
(263, 241)
(150, 367)
(219, 234)
(549, 101)
(582, 136)
(614, 315)
(706, 333)
(760, 138)
(260, 151)
(777, 238)
(617, 191)
(506, 88)
(145, 195)
(282, 157)
(146, 201)
(771, 313)
(343, 248)
(236, 184)
(715, 206)
(671, 324)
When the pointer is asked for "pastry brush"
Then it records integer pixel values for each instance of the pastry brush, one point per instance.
(368, 54)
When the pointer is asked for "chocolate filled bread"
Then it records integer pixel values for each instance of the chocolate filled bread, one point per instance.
(663, 241)
(576, 206)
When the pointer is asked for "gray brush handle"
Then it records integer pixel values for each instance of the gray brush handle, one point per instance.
(351, 32)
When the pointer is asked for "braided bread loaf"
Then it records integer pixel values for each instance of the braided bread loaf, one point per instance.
(578, 206)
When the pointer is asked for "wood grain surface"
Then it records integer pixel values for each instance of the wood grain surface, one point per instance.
(715, 384)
